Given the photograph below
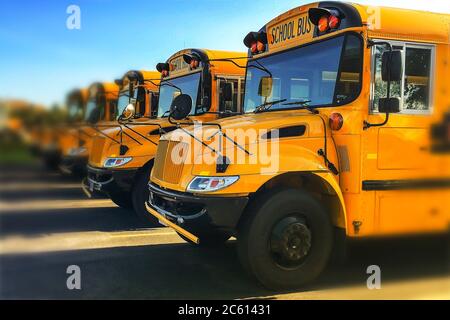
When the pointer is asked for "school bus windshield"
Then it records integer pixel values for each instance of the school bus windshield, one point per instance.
(92, 107)
(75, 110)
(321, 74)
(169, 89)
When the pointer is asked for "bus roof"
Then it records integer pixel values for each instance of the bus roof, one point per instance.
(142, 75)
(78, 94)
(385, 22)
(406, 24)
(109, 89)
(154, 77)
(223, 67)
(150, 75)
(210, 54)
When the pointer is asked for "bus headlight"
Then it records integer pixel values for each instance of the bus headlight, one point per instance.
(209, 184)
(116, 162)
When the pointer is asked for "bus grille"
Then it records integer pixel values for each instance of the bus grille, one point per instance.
(169, 163)
(97, 150)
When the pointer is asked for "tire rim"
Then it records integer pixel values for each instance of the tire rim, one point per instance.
(290, 242)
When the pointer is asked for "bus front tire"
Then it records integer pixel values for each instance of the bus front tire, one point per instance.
(122, 200)
(139, 196)
(285, 240)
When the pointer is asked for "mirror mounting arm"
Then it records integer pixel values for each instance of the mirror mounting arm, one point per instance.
(230, 60)
(367, 124)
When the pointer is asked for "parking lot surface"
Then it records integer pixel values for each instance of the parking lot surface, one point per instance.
(47, 224)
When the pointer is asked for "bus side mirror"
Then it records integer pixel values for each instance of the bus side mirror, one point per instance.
(391, 70)
(265, 87)
(389, 105)
(392, 66)
(227, 91)
(181, 107)
(128, 112)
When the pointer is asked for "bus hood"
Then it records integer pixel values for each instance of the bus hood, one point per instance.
(265, 143)
(255, 127)
(140, 142)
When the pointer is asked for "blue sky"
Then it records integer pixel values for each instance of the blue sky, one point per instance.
(41, 60)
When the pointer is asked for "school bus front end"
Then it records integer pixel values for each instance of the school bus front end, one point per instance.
(65, 134)
(122, 149)
(343, 118)
(100, 109)
(122, 168)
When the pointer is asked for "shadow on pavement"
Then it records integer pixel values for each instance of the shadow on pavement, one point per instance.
(69, 220)
(181, 271)
(73, 193)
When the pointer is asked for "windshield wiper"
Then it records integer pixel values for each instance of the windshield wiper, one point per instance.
(300, 102)
(165, 113)
(226, 112)
(304, 104)
(267, 105)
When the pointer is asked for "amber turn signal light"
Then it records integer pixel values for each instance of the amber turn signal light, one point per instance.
(336, 121)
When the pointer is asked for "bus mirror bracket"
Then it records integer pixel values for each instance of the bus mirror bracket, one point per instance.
(391, 70)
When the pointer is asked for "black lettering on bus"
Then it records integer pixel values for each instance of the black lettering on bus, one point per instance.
(283, 32)
(300, 27)
(291, 31)
(304, 26)
(286, 31)
(308, 26)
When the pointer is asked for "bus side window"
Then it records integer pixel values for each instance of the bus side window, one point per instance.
(233, 104)
(414, 90)
(417, 79)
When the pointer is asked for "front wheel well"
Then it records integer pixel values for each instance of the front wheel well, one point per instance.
(148, 164)
(316, 186)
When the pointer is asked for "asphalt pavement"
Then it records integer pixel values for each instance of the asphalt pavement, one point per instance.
(48, 224)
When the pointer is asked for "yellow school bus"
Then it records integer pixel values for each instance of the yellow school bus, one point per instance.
(41, 138)
(62, 134)
(215, 84)
(136, 105)
(100, 111)
(350, 104)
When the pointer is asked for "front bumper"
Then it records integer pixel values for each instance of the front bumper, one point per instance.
(109, 180)
(195, 213)
(74, 164)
